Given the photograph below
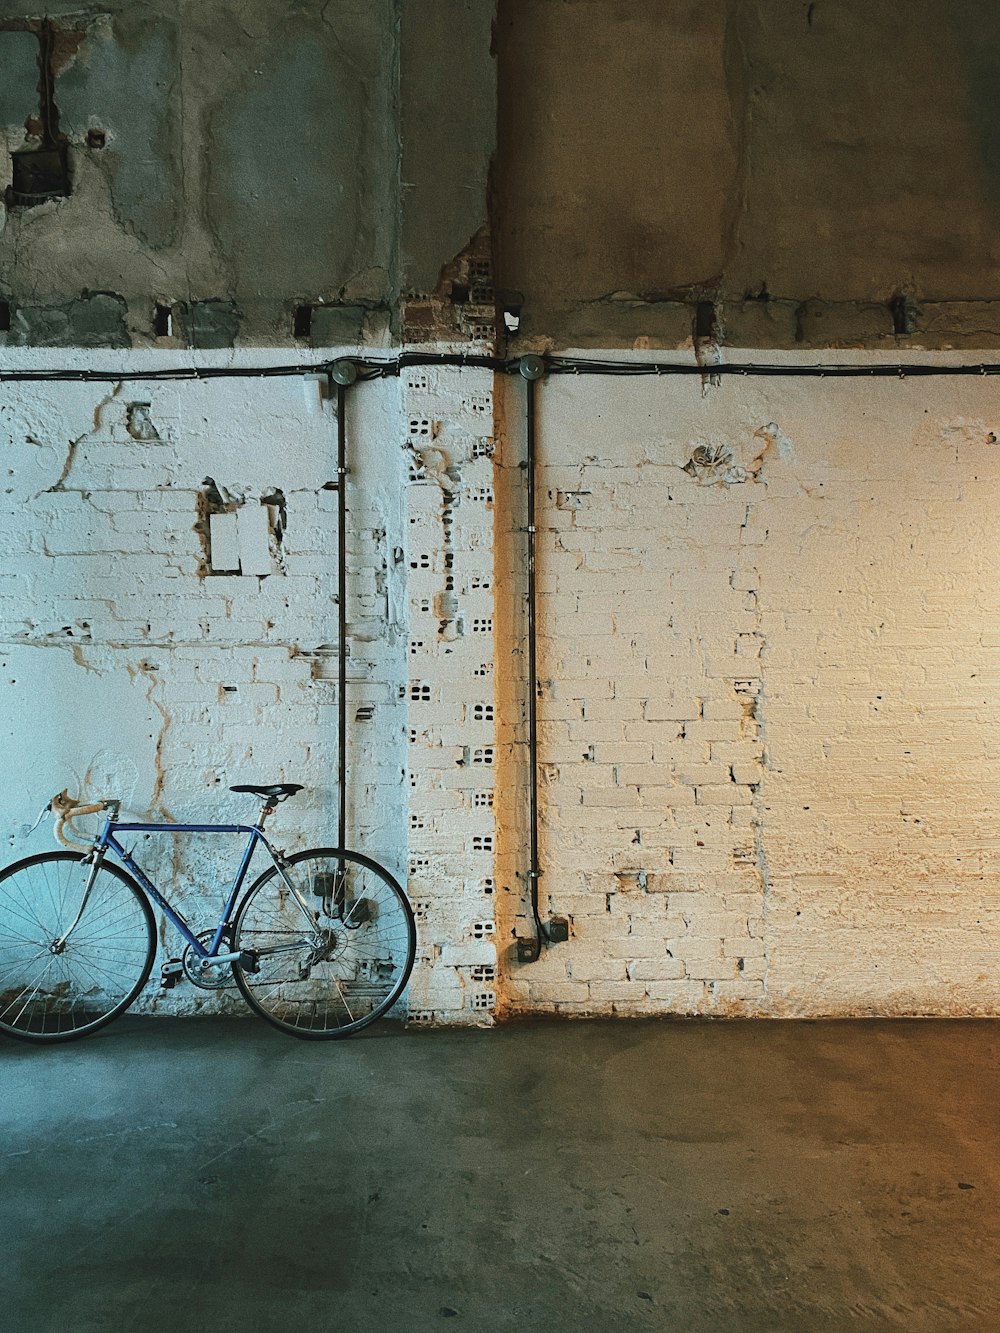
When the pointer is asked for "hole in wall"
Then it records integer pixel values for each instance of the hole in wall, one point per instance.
(278, 507)
(39, 174)
(96, 138)
(139, 422)
(704, 319)
(163, 320)
(302, 321)
(40, 171)
(903, 316)
(4, 316)
(510, 304)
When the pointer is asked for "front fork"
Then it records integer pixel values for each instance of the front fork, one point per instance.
(96, 859)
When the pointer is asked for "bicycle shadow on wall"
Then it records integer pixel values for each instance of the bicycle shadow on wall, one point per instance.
(321, 943)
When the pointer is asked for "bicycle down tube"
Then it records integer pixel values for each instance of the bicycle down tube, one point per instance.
(109, 840)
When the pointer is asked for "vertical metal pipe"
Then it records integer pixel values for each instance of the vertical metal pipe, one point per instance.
(341, 615)
(532, 368)
(533, 869)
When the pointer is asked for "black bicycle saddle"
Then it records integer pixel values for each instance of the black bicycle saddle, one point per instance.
(272, 791)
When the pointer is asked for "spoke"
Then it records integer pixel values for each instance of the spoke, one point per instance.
(12, 911)
(12, 934)
(48, 889)
(115, 928)
(80, 874)
(110, 908)
(343, 998)
(22, 964)
(28, 990)
(106, 939)
(36, 920)
(95, 971)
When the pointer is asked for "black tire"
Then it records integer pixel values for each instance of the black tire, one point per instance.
(104, 964)
(333, 975)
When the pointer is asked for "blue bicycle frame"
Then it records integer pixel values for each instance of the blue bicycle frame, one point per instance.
(108, 841)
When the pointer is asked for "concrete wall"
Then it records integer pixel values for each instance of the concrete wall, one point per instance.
(246, 162)
(826, 156)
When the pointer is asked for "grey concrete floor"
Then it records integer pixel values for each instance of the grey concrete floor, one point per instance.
(214, 1175)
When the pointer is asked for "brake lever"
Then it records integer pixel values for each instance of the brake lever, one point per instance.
(44, 813)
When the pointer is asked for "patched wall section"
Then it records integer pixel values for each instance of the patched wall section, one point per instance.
(454, 659)
(260, 181)
(767, 734)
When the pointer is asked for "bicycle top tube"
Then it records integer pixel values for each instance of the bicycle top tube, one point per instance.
(168, 826)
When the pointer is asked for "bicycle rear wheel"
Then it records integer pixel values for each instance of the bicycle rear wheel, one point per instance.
(52, 991)
(336, 971)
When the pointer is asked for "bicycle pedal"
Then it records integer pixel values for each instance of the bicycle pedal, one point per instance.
(170, 973)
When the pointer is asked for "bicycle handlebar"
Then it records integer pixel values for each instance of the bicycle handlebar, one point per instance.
(66, 809)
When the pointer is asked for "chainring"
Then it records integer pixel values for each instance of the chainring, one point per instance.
(209, 978)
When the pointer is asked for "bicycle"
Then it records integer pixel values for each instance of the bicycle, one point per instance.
(321, 944)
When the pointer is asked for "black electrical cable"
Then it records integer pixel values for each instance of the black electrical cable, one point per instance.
(165, 373)
(877, 370)
(373, 368)
(367, 368)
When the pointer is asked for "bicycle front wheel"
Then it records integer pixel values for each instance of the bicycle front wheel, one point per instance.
(70, 961)
(335, 967)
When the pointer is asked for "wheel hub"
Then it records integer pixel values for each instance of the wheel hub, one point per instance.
(325, 944)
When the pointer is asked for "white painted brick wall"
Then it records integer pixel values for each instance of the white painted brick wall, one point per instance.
(768, 735)
(127, 673)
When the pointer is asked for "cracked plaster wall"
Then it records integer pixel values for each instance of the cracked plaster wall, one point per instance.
(208, 158)
(248, 161)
